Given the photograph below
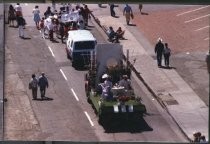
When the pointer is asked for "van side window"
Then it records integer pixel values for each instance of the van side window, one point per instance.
(71, 43)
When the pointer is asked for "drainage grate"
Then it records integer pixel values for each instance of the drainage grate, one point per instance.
(172, 102)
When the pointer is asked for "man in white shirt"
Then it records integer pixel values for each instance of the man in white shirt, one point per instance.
(18, 10)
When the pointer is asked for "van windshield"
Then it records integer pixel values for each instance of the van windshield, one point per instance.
(84, 45)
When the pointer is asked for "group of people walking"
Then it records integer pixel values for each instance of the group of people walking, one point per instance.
(160, 50)
(41, 82)
(15, 14)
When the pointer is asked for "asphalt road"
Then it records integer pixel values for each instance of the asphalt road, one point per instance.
(63, 117)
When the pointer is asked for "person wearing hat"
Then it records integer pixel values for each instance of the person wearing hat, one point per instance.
(43, 84)
(125, 82)
(159, 48)
(106, 87)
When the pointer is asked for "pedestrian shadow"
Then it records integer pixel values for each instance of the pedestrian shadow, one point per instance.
(165, 67)
(44, 99)
(55, 41)
(144, 13)
(131, 24)
(26, 38)
(103, 6)
(116, 16)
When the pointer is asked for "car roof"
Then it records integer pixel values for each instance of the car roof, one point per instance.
(81, 35)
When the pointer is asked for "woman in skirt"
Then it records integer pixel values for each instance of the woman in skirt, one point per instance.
(36, 16)
(11, 16)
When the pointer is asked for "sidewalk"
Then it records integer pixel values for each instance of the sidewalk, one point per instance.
(173, 93)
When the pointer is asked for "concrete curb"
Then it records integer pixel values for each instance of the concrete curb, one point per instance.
(138, 75)
(2, 100)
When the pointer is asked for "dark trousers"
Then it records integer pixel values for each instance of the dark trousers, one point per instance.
(51, 35)
(112, 11)
(159, 59)
(42, 91)
(166, 58)
(34, 93)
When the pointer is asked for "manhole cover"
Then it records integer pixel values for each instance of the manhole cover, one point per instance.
(172, 102)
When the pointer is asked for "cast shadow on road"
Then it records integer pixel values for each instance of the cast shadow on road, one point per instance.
(137, 125)
(143, 13)
(165, 67)
(26, 38)
(45, 99)
(103, 6)
(115, 16)
(131, 24)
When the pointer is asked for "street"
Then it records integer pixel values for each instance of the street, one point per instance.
(65, 116)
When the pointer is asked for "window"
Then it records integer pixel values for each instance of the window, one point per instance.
(84, 45)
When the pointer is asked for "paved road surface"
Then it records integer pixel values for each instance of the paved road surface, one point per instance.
(65, 113)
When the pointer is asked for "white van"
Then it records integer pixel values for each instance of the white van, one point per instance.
(79, 45)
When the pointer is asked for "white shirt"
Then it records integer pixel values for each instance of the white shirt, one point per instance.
(18, 8)
(36, 11)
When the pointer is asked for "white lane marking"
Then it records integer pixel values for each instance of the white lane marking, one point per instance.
(51, 51)
(202, 28)
(197, 18)
(206, 38)
(63, 74)
(187, 53)
(192, 10)
(75, 95)
(89, 118)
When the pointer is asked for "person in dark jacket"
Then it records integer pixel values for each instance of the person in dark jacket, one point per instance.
(21, 23)
(48, 12)
(43, 84)
(112, 10)
(167, 53)
(159, 48)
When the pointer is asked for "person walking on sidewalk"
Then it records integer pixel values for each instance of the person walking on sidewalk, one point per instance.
(112, 12)
(33, 85)
(43, 84)
(21, 23)
(37, 18)
(159, 48)
(140, 8)
(128, 13)
(167, 53)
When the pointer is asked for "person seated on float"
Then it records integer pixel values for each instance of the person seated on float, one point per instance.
(125, 82)
(120, 33)
(73, 26)
(81, 25)
(106, 87)
(112, 35)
